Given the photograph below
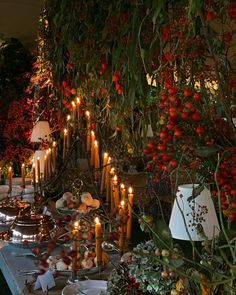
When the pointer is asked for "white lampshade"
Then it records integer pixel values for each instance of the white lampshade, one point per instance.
(41, 155)
(41, 131)
(198, 215)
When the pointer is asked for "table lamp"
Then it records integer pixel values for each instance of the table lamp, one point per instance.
(41, 132)
(193, 219)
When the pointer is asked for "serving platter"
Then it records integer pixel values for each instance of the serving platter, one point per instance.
(89, 287)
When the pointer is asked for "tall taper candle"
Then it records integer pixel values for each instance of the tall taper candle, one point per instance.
(10, 179)
(54, 156)
(88, 131)
(45, 172)
(92, 148)
(73, 114)
(23, 175)
(64, 144)
(104, 169)
(98, 236)
(96, 160)
(34, 176)
(116, 191)
(130, 216)
(122, 227)
(38, 172)
(79, 119)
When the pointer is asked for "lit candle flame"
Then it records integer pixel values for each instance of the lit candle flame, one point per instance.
(54, 143)
(112, 170)
(122, 203)
(73, 104)
(130, 190)
(33, 165)
(10, 168)
(92, 133)
(96, 220)
(23, 166)
(68, 117)
(96, 143)
(65, 131)
(105, 155)
(76, 224)
(87, 113)
(78, 100)
(122, 186)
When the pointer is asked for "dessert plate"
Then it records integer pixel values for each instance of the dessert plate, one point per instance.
(89, 287)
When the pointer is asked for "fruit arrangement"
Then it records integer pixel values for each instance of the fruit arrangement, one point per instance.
(84, 260)
(84, 204)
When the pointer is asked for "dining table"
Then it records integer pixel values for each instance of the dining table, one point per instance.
(19, 270)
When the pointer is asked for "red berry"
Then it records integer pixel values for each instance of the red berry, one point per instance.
(197, 96)
(187, 93)
(178, 133)
(172, 90)
(173, 163)
(233, 205)
(184, 116)
(232, 216)
(196, 117)
(200, 130)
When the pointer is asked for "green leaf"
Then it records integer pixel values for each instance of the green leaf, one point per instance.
(162, 235)
(207, 151)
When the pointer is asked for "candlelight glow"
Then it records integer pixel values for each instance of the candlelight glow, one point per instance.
(112, 170)
(78, 100)
(54, 144)
(122, 186)
(73, 104)
(87, 113)
(33, 165)
(122, 203)
(68, 117)
(23, 165)
(96, 143)
(92, 133)
(76, 224)
(96, 220)
(49, 150)
(10, 169)
(115, 178)
(65, 131)
(105, 155)
(130, 190)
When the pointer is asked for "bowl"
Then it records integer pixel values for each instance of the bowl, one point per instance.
(32, 228)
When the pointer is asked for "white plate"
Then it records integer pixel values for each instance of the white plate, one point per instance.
(89, 287)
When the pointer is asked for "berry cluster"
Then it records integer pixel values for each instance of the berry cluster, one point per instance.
(117, 80)
(181, 122)
(226, 179)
